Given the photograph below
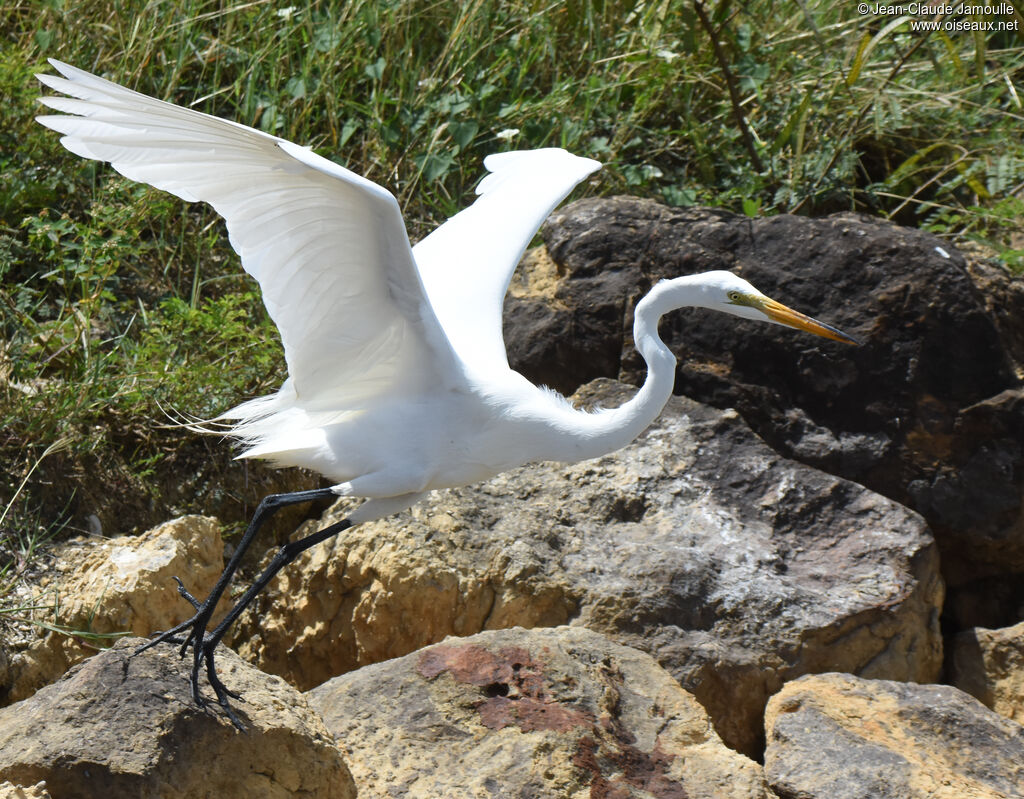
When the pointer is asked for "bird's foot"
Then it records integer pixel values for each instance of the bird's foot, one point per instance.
(192, 633)
(204, 653)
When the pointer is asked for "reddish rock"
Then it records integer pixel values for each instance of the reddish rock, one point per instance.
(555, 712)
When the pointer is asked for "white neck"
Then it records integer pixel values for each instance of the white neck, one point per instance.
(590, 435)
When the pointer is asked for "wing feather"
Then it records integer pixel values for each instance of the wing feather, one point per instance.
(467, 263)
(328, 247)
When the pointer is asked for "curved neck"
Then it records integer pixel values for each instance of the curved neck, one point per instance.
(609, 429)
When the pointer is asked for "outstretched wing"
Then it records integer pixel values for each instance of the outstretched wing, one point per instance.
(467, 263)
(328, 247)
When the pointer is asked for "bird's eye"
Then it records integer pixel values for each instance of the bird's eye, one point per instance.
(734, 296)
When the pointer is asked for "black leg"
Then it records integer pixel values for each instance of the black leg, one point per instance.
(196, 636)
(285, 555)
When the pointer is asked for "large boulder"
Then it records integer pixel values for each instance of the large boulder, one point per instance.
(834, 736)
(900, 414)
(736, 568)
(117, 726)
(542, 713)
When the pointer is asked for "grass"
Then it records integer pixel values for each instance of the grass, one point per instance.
(118, 302)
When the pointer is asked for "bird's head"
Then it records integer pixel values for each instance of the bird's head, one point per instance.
(726, 292)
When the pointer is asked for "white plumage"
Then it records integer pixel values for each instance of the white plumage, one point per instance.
(398, 380)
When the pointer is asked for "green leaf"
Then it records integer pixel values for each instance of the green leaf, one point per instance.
(375, 71)
(347, 130)
(296, 87)
(434, 166)
(463, 132)
(796, 117)
(869, 43)
(44, 39)
(326, 38)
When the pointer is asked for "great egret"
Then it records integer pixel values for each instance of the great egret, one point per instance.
(398, 381)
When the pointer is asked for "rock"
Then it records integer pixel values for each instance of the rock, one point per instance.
(839, 737)
(989, 665)
(119, 727)
(592, 328)
(887, 415)
(988, 443)
(107, 587)
(1002, 292)
(734, 567)
(541, 713)
(37, 791)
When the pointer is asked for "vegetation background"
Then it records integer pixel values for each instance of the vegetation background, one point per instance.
(119, 303)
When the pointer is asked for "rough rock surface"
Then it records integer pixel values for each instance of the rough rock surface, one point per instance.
(112, 586)
(114, 727)
(894, 415)
(559, 712)
(736, 568)
(1002, 292)
(37, 791)
(835, 736)
(989, 665)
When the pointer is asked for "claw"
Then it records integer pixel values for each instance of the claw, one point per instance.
(226, 707)
(184, 592)
(222, 691)
(218, 686)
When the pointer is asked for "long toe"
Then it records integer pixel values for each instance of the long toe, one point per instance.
(184, 593)
(222, 692)
(216, 683)
(165, 637)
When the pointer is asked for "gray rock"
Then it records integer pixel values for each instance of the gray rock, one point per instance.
(529, 713)
(116, 727)
(834, 736)
(735, 568)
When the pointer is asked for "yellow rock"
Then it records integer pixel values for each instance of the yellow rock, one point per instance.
(116, 586)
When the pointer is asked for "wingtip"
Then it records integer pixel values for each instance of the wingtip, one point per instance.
(499, 165)
(50, 121)
(62, 67)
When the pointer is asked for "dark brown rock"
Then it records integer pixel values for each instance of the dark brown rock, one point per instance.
(116, 726)
(533, 713)
(888, 415)
(834, 736)
(1003, 295)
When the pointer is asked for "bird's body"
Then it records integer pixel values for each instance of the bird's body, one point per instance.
(398, 381)
(474, 432)
(479, 425)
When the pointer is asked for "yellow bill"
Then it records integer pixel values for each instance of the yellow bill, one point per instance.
(784, 315)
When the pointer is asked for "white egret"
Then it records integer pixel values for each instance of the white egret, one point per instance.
(398, 382)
